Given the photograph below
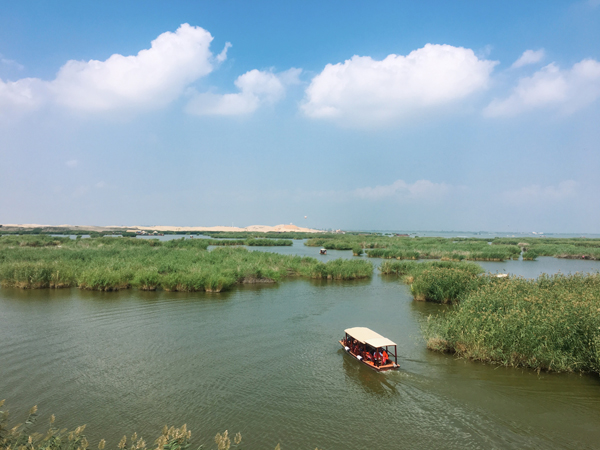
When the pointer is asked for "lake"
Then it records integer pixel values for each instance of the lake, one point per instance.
(265, 361)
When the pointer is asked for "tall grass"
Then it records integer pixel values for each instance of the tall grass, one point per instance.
(109, 264)
(412, 268)
(552, 323)
(445, 284)
(21, 437)
(458, 249)
(391, 247)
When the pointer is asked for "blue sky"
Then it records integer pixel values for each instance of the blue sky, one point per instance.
(382, 115)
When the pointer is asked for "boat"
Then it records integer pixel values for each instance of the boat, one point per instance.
(323, 251)
(360, 340)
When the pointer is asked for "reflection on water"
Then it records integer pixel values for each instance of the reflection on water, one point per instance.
(264, 360)
(371, 381)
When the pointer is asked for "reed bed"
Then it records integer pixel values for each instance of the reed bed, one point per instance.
(269, 242)
(436, 281)
(458, 249)
(411, 269)
(552, 323)
(22, 437)
(569, 248)
(109, 264)
(388, 247)
(445, 284)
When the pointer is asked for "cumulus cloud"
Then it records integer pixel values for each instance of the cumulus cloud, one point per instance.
(255, 89)
(529, 57)
(552, 87)
(400, 189)
(25, 94)
(542, 194)
(152, 78)
(363, 89)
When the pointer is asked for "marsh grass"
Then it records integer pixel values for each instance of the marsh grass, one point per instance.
(21, 437)
(458, 249)
(108, 264)
(445, 284)
(552, 323)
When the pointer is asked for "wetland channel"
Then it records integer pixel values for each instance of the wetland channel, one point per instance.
(265, 361)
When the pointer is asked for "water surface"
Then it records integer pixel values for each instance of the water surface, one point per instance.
(265, 361)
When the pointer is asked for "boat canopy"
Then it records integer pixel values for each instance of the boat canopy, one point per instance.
(368, 336)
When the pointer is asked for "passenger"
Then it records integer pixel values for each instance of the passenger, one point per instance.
(385, 358)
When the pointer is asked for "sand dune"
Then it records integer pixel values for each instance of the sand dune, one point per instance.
(254, 228)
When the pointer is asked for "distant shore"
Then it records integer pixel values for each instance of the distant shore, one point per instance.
(253, 228)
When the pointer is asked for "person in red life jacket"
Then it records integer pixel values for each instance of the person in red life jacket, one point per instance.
(385, 358)
(376, 358)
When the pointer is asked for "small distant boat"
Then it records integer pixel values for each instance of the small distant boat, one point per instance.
(323, 251)
(366, 346)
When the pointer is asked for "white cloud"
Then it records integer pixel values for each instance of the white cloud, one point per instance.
(363, 89)
(529, 57)
(568, 90)
(11, 63)
(223, 55)
(542, 194)
(152, 78)
(21, 95)
(72, 163)
(256, 88)
(400, 189)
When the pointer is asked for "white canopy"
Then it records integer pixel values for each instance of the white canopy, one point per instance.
(368, 336)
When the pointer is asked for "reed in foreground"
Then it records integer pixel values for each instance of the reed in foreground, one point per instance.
(21, 437)
(552, 323)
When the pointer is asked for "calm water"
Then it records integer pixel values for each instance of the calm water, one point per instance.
(265, 361)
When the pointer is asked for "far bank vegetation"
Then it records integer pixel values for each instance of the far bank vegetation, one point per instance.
(107, 264)
(460, 249)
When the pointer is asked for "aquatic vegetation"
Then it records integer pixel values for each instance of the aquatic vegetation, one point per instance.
(412, 268)
(109, 264)
(569, 248)
(268, 242)
(22, 437)
(445, 284)
(458, 249)
(552, 323)
(393, 247)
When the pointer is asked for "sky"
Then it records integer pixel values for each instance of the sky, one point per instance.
(387, 115)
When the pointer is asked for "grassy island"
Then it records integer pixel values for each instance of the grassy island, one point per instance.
(459, 249)
(178, 265)
(389, 247)
(552, 323)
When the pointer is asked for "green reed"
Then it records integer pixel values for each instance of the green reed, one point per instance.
(109, 264)
(552, 323)
(392, 247)
(444, 284)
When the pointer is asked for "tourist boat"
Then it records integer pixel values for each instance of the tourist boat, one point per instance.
(323, 251)
(369, 341)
